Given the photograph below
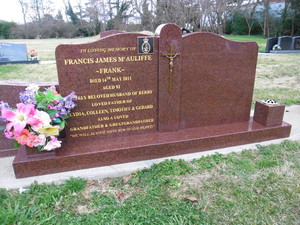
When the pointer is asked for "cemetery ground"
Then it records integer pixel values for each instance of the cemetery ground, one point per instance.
(258, 186)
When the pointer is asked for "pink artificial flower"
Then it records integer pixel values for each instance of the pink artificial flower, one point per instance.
(42, 119)
(53, 144)
(26, 138)
(20, 118)
(40, 140)
(8, 134)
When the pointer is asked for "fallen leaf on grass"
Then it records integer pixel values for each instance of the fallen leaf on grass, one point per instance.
(90, 183)
(120, 195)
(126, 179)
(192, 199)
(296, 211)
(259, 191)
(31, 202)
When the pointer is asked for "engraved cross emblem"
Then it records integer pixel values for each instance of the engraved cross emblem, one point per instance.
(171, 57)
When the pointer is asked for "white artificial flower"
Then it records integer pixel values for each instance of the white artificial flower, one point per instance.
(33, 88)
(43, 120)
(53, 144)
(40, 140)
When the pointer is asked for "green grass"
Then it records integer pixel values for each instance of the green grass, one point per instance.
(258, 39)
(278, 78)
(252, 187)
(29, 73)
(287, 96)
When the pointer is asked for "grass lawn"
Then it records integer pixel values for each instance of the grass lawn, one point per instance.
(252, 187)
(258, 39)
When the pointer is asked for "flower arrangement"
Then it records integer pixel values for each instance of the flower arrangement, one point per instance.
(38, 119)
(32, 55)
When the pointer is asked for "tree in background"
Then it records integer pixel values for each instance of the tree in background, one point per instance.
(291, 18)
(249, 14)
(218, 16)
(118, 20)
(147, 18)
(5, 29)
(33, 12)
(73, 17)
(24, 7)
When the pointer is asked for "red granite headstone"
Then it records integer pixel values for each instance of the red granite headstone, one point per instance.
(143, 97)
(110, 32)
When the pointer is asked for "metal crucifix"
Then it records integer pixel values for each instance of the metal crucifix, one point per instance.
(171, 56)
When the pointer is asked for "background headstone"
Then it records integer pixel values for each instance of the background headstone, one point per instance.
(285, 42)
(10, 52)
(296, 43)
(270, 43)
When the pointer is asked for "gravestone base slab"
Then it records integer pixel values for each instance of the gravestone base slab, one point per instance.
(72, 156)
(6, 152)
(284, 51)
(20, 62)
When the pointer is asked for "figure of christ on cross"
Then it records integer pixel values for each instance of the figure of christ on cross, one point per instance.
(171, 57)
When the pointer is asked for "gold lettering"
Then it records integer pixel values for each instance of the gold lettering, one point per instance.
(99, 80)
(139, 58)
(75, 114)
(97, 50)
(145, 92)
(116, 102)
(128, 78)
(121, 59)
(103, 118)
(123, 109)
(110, 70)
(79, 61)
(141, 107)
(127, 123)
(118, 117)
(81, 98)
(96, 112)
(121, 117)
(106, 60)
(120, 49)
(116, 79)
(109, 95)
(111, 87)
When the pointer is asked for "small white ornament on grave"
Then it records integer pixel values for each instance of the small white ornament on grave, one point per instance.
(270, 101)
